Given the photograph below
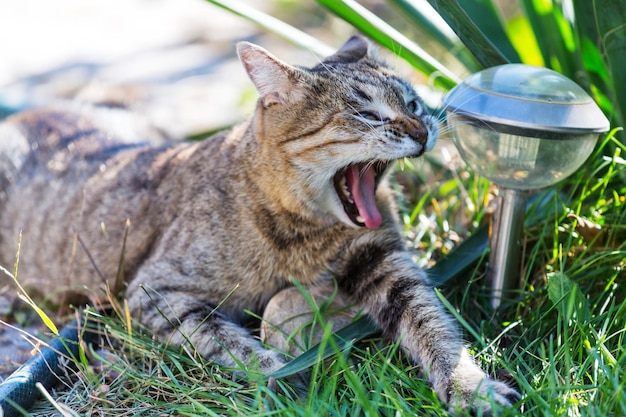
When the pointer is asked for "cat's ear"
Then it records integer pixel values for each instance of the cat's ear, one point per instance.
(276, 81)
(355, 49)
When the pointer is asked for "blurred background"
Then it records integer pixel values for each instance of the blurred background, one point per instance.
(173, 60)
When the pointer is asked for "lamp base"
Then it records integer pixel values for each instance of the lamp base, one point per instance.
(504, 259)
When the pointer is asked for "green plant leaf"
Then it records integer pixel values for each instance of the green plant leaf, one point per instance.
(439, 32)
(555, 36)
(483, 48)
(595, 67)
(603, 33)
(461, 258)
(559, 287)
(564, 294)
(485, 16)
(340, 341)
(522, 36)
(275, 26)
(384, 34)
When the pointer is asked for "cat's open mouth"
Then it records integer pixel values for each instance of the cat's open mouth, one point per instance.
(356, 188)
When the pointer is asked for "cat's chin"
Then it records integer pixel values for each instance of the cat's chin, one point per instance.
(355, 186)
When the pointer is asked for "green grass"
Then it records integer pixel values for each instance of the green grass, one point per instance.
(560, 338)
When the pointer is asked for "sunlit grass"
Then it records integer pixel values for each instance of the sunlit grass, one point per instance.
(560, 338)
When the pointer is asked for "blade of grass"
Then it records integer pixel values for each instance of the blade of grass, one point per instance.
(384, 34)
(437, 29)
(453, 311)
(461, 258)
(342, 340)
(610, 18)
(470, 34)
(557, 42)
(275, 26)
(485, 16)
(61, 408)
(23, 295)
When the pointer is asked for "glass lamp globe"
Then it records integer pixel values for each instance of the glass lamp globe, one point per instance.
(522, 127)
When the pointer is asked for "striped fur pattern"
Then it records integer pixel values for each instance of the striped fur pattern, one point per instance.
(222, 225)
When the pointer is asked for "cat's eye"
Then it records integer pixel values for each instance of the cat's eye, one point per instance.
(413, 106)
(372, 117)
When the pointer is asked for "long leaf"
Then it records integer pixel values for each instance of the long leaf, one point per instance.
(485, 16)
(473, 38)
(521, 34)
(555, 36)
(342, 340)
(461, 258)
(440, 32)
(275, 26)
(598, 80)
(612, 26)
(384, 34)
(601, 26)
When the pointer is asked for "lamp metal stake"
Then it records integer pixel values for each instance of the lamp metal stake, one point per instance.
(504, 258)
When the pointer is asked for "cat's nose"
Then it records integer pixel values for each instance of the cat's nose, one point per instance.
(417, 131)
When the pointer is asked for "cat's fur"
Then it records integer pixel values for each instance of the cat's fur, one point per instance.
(222, 225)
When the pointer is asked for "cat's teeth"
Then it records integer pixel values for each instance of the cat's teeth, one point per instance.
(401, 163)
(360, 219)
(343, 185)
(344, 188)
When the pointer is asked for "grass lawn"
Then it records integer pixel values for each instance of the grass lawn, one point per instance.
(560, 339)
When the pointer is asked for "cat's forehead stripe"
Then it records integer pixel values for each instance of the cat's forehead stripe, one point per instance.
(362, 94)
(367, 88)
(404, 84)
(368, 91)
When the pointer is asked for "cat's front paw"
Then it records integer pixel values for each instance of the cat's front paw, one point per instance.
(481, 398)
(471, 389)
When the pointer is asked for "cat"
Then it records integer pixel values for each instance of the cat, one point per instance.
(218, 226)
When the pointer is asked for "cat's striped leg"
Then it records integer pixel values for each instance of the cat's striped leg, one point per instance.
(180, 312)
(384, 279)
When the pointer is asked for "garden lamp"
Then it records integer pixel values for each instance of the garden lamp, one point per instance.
(522, 127)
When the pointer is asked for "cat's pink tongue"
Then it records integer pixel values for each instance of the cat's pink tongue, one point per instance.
(362, 184)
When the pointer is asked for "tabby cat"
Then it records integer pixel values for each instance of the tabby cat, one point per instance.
(219, 226)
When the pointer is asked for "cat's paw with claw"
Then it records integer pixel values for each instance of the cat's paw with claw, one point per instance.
(479, 393)
(482, 399)
(471, 389)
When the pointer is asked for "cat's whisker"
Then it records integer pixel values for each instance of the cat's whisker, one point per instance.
(439, 115)
(441, 112)
(450, 127)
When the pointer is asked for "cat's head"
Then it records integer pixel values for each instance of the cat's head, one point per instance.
(331, 131)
